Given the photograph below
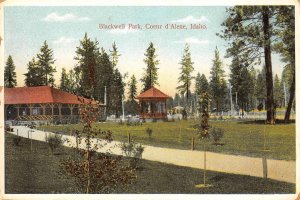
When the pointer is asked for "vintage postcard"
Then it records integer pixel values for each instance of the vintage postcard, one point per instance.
(149, 100)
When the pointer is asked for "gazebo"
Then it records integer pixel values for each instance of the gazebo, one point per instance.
(41, 103)
(153, 104)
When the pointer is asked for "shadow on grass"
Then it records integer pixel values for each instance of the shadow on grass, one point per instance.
(263, 122)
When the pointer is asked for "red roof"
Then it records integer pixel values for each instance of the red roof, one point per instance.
(152, 93)
(40, 94)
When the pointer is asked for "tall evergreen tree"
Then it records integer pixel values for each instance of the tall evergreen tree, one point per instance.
(132, 88)
(249, 30)
(114, 55)
(260, 87)
(10, 80)
(131, 104)
(201, 84)
(217, 82)
(117, 93)
(185, 77)
(278, 94)
(87, 54)
(45, 62)
(150, 76)
(64, 82)
(176, 99)
(33, 77)
(105, 77)
(242, 83)
(285, 20)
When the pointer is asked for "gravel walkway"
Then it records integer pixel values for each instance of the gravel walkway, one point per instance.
(274, 169)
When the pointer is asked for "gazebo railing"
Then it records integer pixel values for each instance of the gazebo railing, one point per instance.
(153, 115)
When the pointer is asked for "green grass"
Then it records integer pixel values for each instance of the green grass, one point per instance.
(36, 171)
(240, 137)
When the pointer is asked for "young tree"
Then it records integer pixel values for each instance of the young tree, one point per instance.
(64, 80)
(45, 62)
(87, 54)
(10, 80)
(217, 82)
(150, 75)
(185, 77)
(32, 77)
(251, 31)
(95, 172)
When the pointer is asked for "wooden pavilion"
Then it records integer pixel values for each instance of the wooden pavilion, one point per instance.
(153, 104)
(41, 103)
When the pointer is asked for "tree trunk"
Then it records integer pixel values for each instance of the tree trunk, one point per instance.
(290, 104)
(268, 65)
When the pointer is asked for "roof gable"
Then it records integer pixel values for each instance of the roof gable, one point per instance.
(152, 93)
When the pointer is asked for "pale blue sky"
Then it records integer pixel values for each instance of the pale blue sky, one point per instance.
(27, 27)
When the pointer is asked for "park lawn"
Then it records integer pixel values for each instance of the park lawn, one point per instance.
(37, 171)
(248, 138)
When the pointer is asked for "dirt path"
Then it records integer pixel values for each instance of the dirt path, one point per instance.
(273, 169)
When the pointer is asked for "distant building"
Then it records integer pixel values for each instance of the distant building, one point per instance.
(41, 103)
(152, 104)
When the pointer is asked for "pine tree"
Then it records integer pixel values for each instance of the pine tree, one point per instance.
(10, 80)
(72, 81)
(87, 54)
(132, 88)
(278, 94)
(260, 87)
(45, 62)
(105, 77)
(285, 20)
(250, 30)
(117, 93)
(64, 82)
(201, 84)
(150, 76)
(242, 83)
(131, 104)
(32, 77)
(185, 77)
(177, 99)
(217, 82)
(114, 55)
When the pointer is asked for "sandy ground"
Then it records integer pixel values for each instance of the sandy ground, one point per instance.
(274, 169)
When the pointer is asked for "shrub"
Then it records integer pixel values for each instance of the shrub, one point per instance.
(260, 107)
(54, 141)
(17, 140)
(217, 134)
(149, 132)
(134, 153)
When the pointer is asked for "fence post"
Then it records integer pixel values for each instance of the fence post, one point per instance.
(193, 143)
(17, 132)
(265, 167)
(28, 134)
(31, 141)
(129, 137)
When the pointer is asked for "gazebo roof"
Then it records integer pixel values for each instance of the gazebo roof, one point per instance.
(39, 94)
(152, 93)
